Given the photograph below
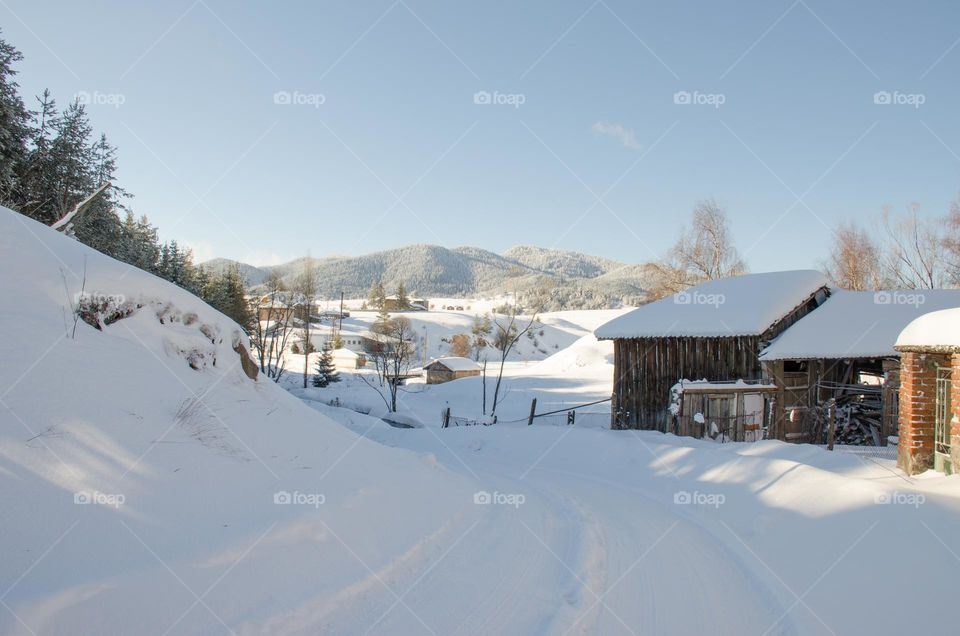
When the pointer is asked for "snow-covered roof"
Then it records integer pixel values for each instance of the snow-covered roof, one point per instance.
(857, 324)
(344, 353)
(455, 363)
(934, 330)
(739, 306)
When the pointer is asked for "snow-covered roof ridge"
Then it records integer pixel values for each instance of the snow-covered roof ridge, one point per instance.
(935, 330)
(745, 305)
(456, 363)
(853, 324)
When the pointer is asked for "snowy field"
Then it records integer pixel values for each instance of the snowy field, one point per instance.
(149, 487)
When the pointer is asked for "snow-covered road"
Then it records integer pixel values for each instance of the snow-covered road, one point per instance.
(567, 550)
(573, 554)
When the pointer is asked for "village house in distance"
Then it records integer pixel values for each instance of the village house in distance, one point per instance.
(450, 368)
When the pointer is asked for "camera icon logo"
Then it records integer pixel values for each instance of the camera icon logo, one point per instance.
(682, 97)
(482, 97)
(882, 298)
(683, 497)
(81, 498)
(482, 498)
(882, 97)
(282, 497)
(682, 298)
(882, 498)
(282, 98)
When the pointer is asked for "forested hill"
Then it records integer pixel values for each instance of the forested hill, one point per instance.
(430, 270)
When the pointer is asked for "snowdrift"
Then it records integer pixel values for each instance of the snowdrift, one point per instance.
(148, 484)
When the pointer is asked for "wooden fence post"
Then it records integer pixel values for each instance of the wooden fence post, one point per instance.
(446, 418)
(831, 422)
(533, 411)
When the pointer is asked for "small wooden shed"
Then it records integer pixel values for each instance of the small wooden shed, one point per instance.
(451, 368)
(724, 411)
(714, 331)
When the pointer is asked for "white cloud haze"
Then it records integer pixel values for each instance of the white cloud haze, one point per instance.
(621, 133)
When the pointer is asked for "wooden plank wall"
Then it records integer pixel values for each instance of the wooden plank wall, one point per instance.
(646, 369)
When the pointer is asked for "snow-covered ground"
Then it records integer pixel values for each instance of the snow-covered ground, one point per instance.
(222, 505)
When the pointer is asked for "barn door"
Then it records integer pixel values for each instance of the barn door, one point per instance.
(941, 422)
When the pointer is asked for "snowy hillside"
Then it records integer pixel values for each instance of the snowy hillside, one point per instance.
(181, 466)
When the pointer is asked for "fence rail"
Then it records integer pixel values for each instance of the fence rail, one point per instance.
(568, 415)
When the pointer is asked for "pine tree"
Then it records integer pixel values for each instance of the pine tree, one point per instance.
(14, 130)
(99, 226)
(326, 373)
(72, 155)
(38, 175)
(234, 301)
(403, 301)
(377, 296)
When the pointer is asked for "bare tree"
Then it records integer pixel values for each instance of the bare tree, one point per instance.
(460, 345)
(855, 260)
(508, 328)
(951, 243)
(306, 286)
(704, 251)
(916, 257)
(271, 327)
(393, 347)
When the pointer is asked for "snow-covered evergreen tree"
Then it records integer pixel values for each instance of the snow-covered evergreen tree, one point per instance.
(325, 373)
(14, 131)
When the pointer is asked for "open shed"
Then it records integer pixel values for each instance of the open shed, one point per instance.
(844, 351)
(713, 331)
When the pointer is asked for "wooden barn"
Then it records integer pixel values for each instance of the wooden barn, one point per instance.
(844, 353)
(452, 368)
(714, 331)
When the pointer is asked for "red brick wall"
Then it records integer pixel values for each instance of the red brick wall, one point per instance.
(918, 395)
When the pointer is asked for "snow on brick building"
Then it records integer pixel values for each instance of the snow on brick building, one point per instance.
(844, 351)
(450, 368)
(714, 331)
(930, 393)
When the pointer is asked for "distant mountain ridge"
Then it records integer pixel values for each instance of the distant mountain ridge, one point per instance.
(431, 270)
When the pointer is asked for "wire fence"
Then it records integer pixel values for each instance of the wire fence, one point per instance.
(567, 415)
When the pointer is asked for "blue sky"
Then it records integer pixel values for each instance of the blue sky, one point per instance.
(583, 147)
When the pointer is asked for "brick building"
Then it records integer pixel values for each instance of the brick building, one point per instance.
(930, 393)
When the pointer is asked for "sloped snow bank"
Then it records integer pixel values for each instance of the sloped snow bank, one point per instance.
(141, 469)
